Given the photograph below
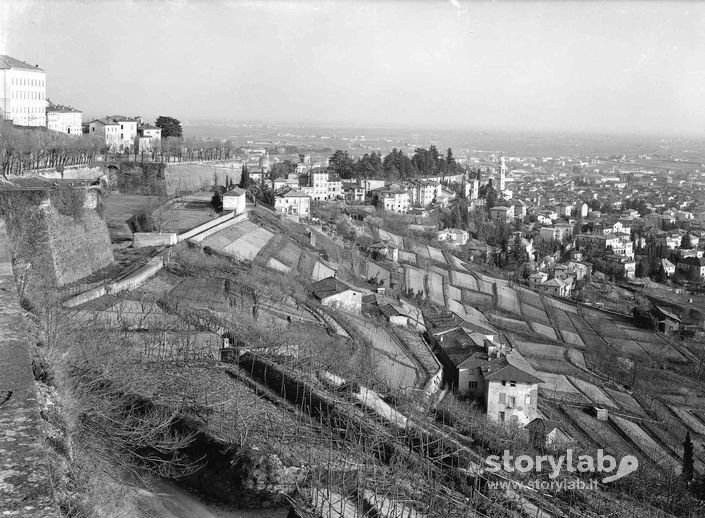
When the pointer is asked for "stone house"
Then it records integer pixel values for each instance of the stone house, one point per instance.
(234, 201)
(338, 295)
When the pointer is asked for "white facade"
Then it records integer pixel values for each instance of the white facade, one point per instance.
(108, 130)
(512, 402)
(22, 92)
(64, 120)
(234, 201)
(293, 204)
(127, 132)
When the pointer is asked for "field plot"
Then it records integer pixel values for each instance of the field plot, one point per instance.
(540, 350)
(593, 393)
(529, 297)
(606, 328)
(181, 217)
(628, 347)
(414, 280)
(421, 251)
(562, 306)
(442, 272)
(463, 280)
(650, 448)
(557, 382)
(662, 350)
(289, 254)
(587, 335)
(434, 283)
(564, 322)
(626, 402)
(485, 286)
(572, 338)
(507, 299)
(375, 271)
(436, 254)
(407, 257)
(512, 323)
(453, 293)
(673, 443)
(601, 432)
(534, 314)
(544, 330)
(390, 360)
(469, 314)
(307, 262)
(475, 298)
(577, 357)
(641, 335)
(223, 238)
(321, 271)
(274, 264)
(392, 238)
(553, 366)
(454, 261)
(247, 247)
(689, 419)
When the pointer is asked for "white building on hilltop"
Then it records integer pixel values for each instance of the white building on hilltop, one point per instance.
(64, 119)
(22, 92)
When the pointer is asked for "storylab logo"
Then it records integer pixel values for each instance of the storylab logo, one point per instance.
(570, 463)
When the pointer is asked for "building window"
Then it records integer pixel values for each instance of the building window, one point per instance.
(472, 385)
(504, 383)
(527, 399)
(511, 402)
(500, 417)
(512, 383)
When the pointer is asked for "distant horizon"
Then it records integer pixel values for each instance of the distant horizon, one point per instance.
(600, 68)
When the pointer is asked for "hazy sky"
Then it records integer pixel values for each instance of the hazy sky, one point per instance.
(612, 67)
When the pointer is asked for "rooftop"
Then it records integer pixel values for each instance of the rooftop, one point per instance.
(7, 62)
(329, 286)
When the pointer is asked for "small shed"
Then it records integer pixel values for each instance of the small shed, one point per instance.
(234, 201)
(601, 413)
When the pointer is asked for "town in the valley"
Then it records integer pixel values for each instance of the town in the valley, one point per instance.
(308, 320)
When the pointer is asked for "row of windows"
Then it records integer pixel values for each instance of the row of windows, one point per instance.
(39, 96)
(23, 81)
(29, 109)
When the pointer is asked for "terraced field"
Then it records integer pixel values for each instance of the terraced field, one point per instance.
(626, 402)
(648, 447)
(593, 393)
(600, 432)
(463, 280)
(507, 299)
(544, 330)
(434, 284)
(436, 255)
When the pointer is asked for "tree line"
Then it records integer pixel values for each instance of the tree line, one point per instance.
(396, 165)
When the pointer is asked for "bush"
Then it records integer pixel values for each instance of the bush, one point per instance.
(142, 222)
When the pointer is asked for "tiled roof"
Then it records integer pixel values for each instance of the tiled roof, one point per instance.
(329, 286)
(10, 62)
(501, 370)
(235, 192)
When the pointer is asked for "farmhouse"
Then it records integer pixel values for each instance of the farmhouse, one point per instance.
(668, 323)
(293, 204)
(545, 432)
(338, 295)
(234, 201)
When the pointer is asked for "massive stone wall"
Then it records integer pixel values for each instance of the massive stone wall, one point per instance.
(51, 248)
(79, 246)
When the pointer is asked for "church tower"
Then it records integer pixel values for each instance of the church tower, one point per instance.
(502, 175)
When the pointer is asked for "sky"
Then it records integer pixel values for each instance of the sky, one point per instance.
(605, 67)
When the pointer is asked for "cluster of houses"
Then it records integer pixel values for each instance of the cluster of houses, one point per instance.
(125, 134)
(477, 362)
(23, 101)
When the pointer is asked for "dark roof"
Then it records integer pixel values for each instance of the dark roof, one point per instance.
(10, 62)
(388, 310)
(667, 314)
(458, 346)
(329, 286)
(694, 261)
(542, 425)
(235, 192)
(501, 370)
